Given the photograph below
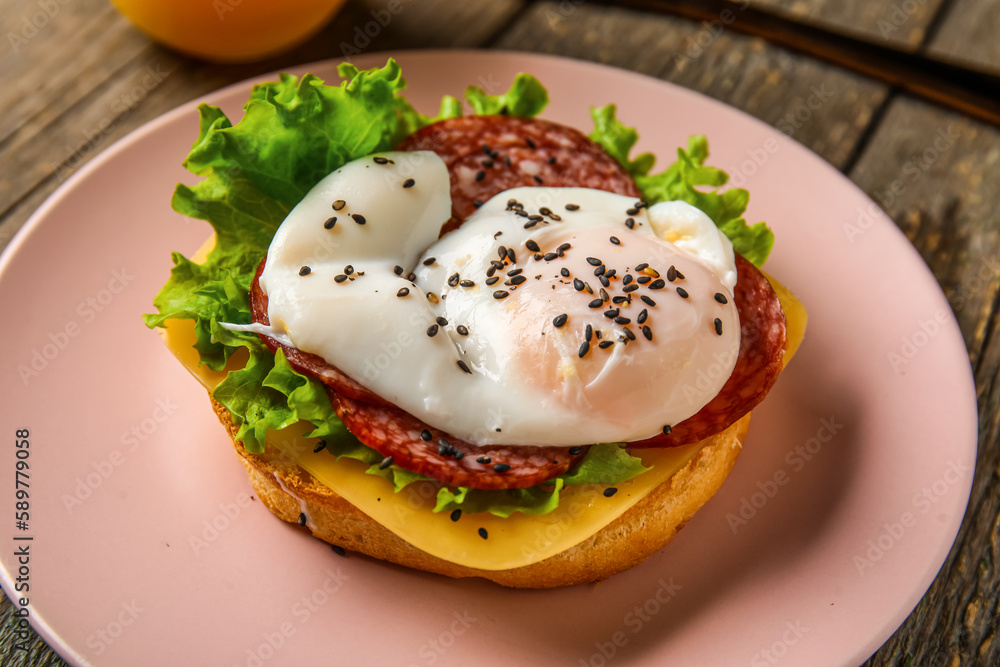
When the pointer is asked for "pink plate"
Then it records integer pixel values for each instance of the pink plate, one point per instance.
(147, 548)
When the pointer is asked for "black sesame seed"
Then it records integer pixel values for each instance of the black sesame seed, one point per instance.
(506, 160)
(456, 515)
(611, 274)
(531, 144)
(511, 256)
(718, 326)
(680, 275)
(339, 204)
(613, 313)
(305, 271)
(647, 332)
(358, 218)
(632, 211)
(445, 448)
(302, 519)
(552, 160)
(338, 550)
(484, 460)
(721, 298)
(584, 349)
(630, 223)
(596, 303)
(599, 271)
(615, 240)
(467, 283)
(573, 451)
(404, 291)
(429, 261)
(530, 224)
(604, 296)
(386, 462)
(627, 280)
(409, 183)
(610, 491)
(641, 267)
(339, 278)
(501, 294)
(646, 300)
(425, 435)
(619, 299)
(593, 261)
(589, 333)
(682, 292)
(628, 332)
(516, 280)
(487, 150)
(483, 534)
(462, 330)
(464, 366)
(560, 320)
(398, 270)
(531, 245)
(488, 163)
(564, 272)
(480, 175)
(657, 284)
(578, 284)
(672, 273)
(622, 320)
(330, 222)
(477, 202)
(549, 256)
(453, 279)
(492, 280)
(643, 314)
(432, 330)
(630, 288)
(380, 160)
(348, 269)
(535, 217)
(642, 280)
(459, 455)
(667, 429)
(442, 321)
(563, 248)
(572, 207)
(501, 467)
(320, 446)
(605, 344)
(604, 281)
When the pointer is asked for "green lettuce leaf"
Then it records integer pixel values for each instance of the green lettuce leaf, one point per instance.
(680, 181)
(526, 97)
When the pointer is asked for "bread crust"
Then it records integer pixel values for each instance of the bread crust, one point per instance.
(288, 490)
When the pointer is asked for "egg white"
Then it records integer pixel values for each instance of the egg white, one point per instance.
(528, 383)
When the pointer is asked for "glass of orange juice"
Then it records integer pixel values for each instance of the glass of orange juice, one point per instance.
(229, 30)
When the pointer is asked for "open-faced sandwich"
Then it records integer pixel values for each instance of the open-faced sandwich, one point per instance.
(479, 345)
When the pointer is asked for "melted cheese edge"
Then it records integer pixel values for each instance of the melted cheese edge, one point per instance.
(513, 542)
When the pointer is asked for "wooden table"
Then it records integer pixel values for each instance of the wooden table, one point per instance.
(88, 68)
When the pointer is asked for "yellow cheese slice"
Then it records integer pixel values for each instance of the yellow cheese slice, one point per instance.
(512, 542)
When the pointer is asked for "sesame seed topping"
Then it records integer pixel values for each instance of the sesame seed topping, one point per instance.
(560, 320)
(573, 451)
(564, 272)
(483, 534)
(480, 175)
(511, 256)
(409, 183)
(516, 280)
(622, 320)
(643, 314)
(584, 349)
(641, 267)
(721, 298)
(464, 366)
(531, 144)
(647, 332)
(604, 296)
(432, 297)
(484, 460)
(425, 435)
(330, 222)
(549, 256)
(305, 271)
(302, 519)
(630, 288)
(501, 467)
(339, 204)
(456, 515)
(615, 240)
(593, 261)
(578, 284)
(386, 462)
(630, 223)
(488, 163)
(627, 280)
(612, 314)
(599, 271)
(320, 446)
(552, 160)
(646, 300)
(380, 160)
(462, 330)
(339, 278)
(429, 261)
(477, 202)
(487, 150)
(667, 429)
(610, 491)
(619, 299)
(467, 283)
(531, 245)
(403, 291)
(453, 280)
(632, 211)
(682, 292)
(492, 280)
(718, 326)
(605, 344)
(349, 269)
(596, 303)
(358, 218)
(442, 321)
(589, 333)
(604, 281)
(657, 284)
(628, 332)
(398, 270)
(339, 550)
(432, 330)
(530, 224)
(572, 207)
(642, 280)
(501, 294)
(611, 274)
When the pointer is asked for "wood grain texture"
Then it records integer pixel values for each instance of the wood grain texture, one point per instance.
(895, 22)
(938, 176)
(968, 35)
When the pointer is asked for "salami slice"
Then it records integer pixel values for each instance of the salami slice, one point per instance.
(305, 362)
(415, 446)
(763, 338)
(486, 155)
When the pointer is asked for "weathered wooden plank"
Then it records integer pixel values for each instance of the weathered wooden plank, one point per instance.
(897, 23)
(968, 35)
(822, 107)
(938, 175)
